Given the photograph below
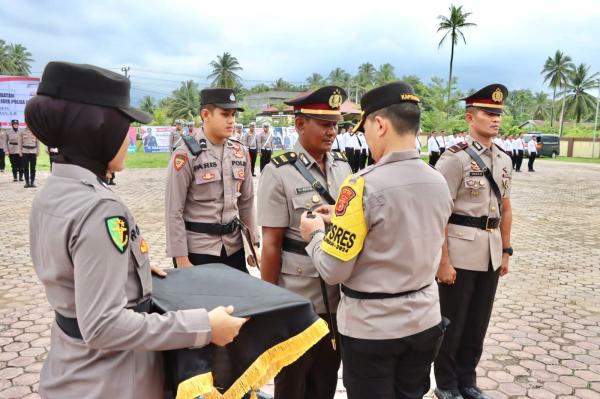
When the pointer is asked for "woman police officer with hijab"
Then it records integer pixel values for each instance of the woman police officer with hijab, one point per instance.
(89, 252)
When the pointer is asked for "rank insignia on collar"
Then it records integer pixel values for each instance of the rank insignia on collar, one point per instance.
(179, 161)
(304, 160)
(118, 231)
(477, 146)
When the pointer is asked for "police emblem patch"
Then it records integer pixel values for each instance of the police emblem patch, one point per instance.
(208, 176)
(335, 100)
(241, 174)
(232, 97)
(346, 195)
(179, 161)
(497, 96)
(118, 231)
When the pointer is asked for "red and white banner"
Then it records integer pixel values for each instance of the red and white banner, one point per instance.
(15, 91)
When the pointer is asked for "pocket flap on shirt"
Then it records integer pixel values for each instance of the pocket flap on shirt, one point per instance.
(462, 232)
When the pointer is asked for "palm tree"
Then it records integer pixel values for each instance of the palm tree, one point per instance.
(366, 75)
(224, 71)
(6, 65)
(385, 74)
(556, 71)
(338, 77)
(580, 102)
(148, 104)
(315, 81)
(282, 85)
(185, 101)
(21, 59)
(453, 24)
(540, 106)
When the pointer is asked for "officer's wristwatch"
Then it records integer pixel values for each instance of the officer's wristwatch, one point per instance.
(314, 233)
(508, 251)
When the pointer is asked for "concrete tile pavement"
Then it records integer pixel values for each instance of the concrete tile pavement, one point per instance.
(544, 338)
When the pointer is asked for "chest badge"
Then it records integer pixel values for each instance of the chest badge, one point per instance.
(315, 199)
(208, 176)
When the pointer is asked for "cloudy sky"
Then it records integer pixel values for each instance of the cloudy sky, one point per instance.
(165, 42)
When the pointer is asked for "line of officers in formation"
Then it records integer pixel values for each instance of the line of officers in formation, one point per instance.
(401, 260)
(22, 148)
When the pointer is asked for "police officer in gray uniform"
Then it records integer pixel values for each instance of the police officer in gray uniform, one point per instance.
(209, 190)
(90, 254)
(175, 135)
(384, 244)
(3, 148)
(13, 140)
(250, 140)
(265, 143)
(30, 149)
(292, 183)
(477, 246)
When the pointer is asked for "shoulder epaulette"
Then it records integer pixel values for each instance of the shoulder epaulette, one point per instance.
(339, 156)
(284, 159)
(458, 147)
(234, 140)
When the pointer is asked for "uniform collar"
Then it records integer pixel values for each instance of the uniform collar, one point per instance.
(493, 151)
(308, 160)
(398, 156)
(71, 171)
(210, 146)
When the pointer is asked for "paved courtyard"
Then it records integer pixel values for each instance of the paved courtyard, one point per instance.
(544, 338)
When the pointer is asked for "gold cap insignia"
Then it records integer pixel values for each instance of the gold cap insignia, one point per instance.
(497, 95)
(335, 100)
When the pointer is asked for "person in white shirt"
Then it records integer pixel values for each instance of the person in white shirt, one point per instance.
(418, 144)
(364, 150)
(348, 147)
(441, 139)
(519, 146)
(450, 140)
(532, 150)
(433, 147)
(339, 144)
(356, 144)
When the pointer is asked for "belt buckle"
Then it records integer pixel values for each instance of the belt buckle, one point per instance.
(317, 185)
(487, 223)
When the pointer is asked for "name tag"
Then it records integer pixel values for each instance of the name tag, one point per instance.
(475, 173)
(302, 190)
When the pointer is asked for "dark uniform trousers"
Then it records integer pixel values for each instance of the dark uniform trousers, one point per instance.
(519, 160)
(532, 156)
(433, 158)
(265, 158)
(468, 305)
(2, 163)
(350, 154)
(391, 368)
(252, 152)
(236, 260)
(29, 162)
(362, 159)
(16, 163)
(314, 375)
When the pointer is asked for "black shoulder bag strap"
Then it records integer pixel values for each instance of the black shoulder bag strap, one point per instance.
(318, 187)
(488, 174)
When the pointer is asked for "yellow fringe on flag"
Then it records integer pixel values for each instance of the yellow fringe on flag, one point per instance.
(263, 369)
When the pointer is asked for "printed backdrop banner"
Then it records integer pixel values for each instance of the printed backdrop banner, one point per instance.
(15, 91)
(156, 138)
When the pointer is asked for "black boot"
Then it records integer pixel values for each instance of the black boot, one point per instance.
(27, 185)
(32, 179)
(20, 175)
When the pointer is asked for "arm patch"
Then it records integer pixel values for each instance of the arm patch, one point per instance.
(346, 237)
(458, 147)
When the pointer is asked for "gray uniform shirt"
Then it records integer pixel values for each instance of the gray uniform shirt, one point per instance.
(283, 195)
(174, 138)
(87, 276)
(250, 140)
(29, 143)
(406, 205)
(3, 140)
(13, 140)
(265, 141)
(471, 248)
(208, 189)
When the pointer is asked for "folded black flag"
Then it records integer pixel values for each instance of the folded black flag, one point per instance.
(282, 327)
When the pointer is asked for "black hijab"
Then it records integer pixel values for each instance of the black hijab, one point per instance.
(85, 135)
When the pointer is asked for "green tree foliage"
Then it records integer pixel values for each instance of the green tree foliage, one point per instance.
(185, 101)
(224, 71)
(579, 101)
(452, 25)
(556, 71)
(14, 59)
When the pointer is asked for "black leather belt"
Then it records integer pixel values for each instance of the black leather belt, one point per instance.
(294, 246)
(70, 326)
(349, 292)
(12, 143)
(29, 146)
(483, 222)
(216, 229)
